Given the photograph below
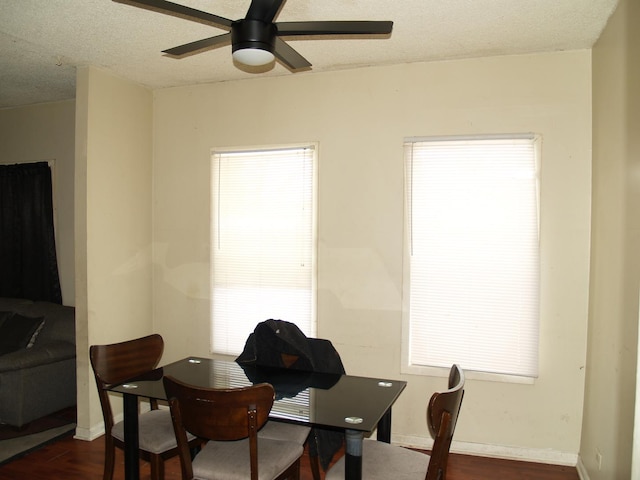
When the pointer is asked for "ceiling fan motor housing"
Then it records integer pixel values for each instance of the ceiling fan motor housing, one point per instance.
(250, 33)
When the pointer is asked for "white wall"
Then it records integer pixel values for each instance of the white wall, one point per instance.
(613, 317)
(113, 224)
(46, 132)
(360, 119)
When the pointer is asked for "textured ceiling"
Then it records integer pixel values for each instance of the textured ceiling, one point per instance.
(42, 41)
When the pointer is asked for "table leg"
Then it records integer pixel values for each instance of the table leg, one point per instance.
(131, 460)
(384, 427)
(353, 455)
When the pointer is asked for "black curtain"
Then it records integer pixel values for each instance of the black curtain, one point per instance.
(28, 264)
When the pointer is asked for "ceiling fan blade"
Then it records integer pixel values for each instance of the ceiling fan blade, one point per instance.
(287, 55)
(264, 10)
(188, 13)
(189, 48)
(335, 28)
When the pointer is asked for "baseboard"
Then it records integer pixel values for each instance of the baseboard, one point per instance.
(548, 456)
(89, 434)
(95, 431)
(582, 471)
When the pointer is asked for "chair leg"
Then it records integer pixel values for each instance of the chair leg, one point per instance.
(291, 473)
(157, 467)
(315, 466)
(297, 471)
(109, 457)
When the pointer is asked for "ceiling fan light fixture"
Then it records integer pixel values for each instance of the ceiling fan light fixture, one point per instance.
(253, 56)
(252, 42)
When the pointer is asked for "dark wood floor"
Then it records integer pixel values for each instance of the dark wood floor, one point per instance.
(70, 459)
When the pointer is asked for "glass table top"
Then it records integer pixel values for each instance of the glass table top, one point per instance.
(335, 401)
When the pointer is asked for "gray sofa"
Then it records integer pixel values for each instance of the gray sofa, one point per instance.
(39, 377)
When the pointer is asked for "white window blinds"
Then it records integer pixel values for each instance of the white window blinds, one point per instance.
(262, 242)
(472, 215)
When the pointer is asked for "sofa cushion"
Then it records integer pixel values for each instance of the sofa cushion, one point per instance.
(59, 319)
(16, 332)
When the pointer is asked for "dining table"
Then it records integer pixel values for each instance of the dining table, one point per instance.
(355, 405)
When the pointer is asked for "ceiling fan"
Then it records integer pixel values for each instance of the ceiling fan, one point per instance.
(255, 39)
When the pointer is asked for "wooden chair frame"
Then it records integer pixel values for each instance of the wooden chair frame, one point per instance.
(239, 414)
(116, 363)
(442, 416)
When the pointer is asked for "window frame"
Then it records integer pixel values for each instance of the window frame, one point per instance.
(314, 147)
(436, 371)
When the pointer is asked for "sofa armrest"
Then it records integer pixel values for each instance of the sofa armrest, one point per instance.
(37, 355)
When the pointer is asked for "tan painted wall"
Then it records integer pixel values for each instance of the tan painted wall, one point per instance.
(615, 272)
(360, 119)
(113, 223)
(46, 132)
(361, 220)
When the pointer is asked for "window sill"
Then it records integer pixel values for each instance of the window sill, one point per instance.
(469, 374)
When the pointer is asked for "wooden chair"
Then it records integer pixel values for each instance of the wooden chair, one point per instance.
(117, 363)
(229, 420)
(384, 461)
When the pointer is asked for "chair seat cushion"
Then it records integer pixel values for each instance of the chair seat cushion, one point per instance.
(383, 461)
(230, 460)
(156, 434)
(285, 431)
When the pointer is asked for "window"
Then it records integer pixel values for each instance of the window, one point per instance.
(263, 242)
(472, 253)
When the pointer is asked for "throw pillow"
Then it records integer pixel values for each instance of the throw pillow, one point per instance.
(16, 331)
(4, 315)
(32, 340)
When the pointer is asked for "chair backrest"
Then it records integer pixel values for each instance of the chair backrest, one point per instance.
(218, 414)
(442, 416)
(118, 362)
